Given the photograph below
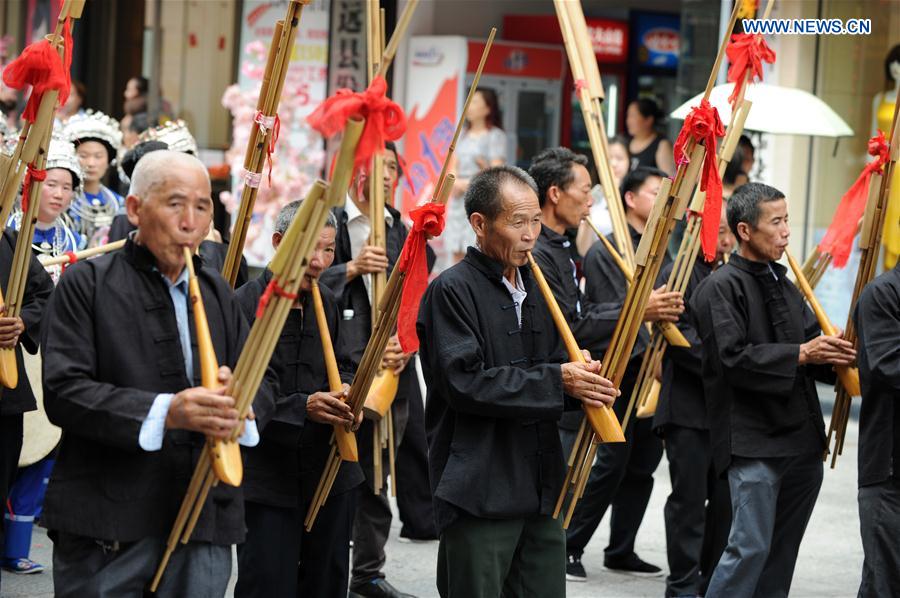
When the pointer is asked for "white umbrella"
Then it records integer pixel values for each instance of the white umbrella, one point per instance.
(778, 110)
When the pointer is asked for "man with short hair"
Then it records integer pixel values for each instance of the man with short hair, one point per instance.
(622, 475)
(283, 471)
(122, 379)
(877, 319)
(497, 383)
(762, 351)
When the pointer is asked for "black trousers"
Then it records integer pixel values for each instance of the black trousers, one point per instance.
(414, 491)
(697, 512)
(622, 476)
(10, 447)
(879, 522)
(276, 541)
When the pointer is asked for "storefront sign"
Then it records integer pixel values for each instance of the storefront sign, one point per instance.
(658, 39)
(609, 38)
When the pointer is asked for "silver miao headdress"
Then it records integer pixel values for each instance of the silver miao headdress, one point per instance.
(95, 125)
(61, 154)
(175, 134)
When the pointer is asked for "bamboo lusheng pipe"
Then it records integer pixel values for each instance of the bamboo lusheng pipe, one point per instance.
(669, 206)
(602, 419)
(365, 372)
(81, 255)
(225, 456)
(870, 247)
(686, 257)
(593, 121)
(848, 376)
(288, 267)
(277, 64)
(647, 409)
(345, 439)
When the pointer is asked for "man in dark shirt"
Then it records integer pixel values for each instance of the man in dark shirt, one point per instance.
(122, 380)
(283, 471)
(622, 475)
(877, 319)
(698, 510)
(762, 350)
(496, 386)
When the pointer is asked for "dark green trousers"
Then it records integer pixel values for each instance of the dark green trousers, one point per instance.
(512, 558)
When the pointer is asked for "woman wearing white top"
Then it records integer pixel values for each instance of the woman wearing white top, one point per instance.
(482, 145)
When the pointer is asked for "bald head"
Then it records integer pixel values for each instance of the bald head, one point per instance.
(155, 169)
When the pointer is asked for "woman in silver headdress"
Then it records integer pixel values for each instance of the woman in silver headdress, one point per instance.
(54, 232)
(97, 139)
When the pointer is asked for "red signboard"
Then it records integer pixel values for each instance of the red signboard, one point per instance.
(518, 60)
(608, 37)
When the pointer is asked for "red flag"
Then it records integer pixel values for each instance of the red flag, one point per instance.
(428, 219)
(838, 239)
(385, 119)
(703, 124)
(746, 52)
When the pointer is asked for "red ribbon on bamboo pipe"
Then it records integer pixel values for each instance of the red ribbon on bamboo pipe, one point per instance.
(747, 52)
(273, 289)
(385, 119)
(428, 219)
(31, 174)
(838, 239)
(703, 124)
(40, 67)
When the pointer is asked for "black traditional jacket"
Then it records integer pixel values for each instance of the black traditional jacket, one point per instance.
(877, 318)
(110, 346)
(495, 393)
(284, 469)
(761, 403)
(38, 288)
(681, 399)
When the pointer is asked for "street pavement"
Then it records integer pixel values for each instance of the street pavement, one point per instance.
(829, 564)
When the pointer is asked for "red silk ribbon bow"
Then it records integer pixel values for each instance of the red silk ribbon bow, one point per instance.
(272, 289)
(40, 67)
(838, 239)
(385, 119)
(428, 219)
(32, 174)
(704, 125)
(746, 51)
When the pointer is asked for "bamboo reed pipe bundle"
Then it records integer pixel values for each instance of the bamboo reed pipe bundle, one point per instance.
(261, 133)
(590, 93)
(31, 152)
(669, 206)
(288, 267)
(870, 248)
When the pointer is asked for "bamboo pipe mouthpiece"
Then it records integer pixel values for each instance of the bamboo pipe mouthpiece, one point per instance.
(647, 408)
(673, 335)
(603, 420)
(848, 376)
(9, 372)
(381, 394)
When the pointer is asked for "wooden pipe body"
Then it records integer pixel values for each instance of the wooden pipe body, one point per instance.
(9, 372)
(345, 439)
(226, 454)
(849, 376)
(603, 420)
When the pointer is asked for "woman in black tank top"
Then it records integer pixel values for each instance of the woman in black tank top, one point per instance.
(647, 146)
